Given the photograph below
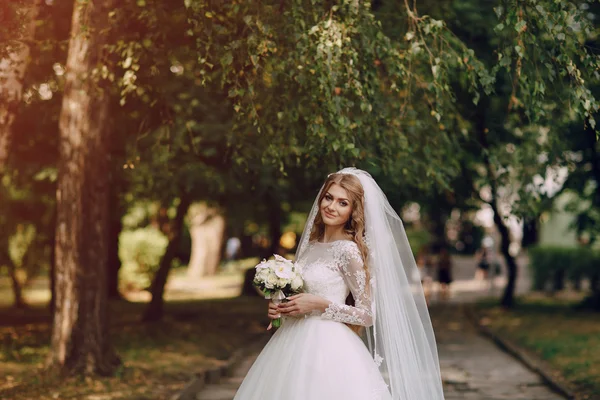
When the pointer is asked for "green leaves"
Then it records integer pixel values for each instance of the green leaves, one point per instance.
(311, 84)
(227, 59)
(520, 26)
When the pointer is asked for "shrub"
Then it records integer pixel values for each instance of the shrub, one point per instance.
(552, 265)
(140, 251)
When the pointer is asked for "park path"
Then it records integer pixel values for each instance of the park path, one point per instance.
(473, 368)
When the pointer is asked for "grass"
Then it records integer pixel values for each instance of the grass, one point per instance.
(158, 358)
(568, 340)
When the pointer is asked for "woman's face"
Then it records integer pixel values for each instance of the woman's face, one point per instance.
(335, 206)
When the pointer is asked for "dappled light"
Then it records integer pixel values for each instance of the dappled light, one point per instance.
(154, 152)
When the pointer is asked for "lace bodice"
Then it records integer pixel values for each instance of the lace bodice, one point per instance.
(332, 271)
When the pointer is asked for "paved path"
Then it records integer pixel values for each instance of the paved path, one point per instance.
(473, 368)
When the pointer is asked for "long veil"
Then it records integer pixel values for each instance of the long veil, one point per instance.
(401, 339)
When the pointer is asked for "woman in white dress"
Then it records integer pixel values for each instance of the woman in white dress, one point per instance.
(353, 243)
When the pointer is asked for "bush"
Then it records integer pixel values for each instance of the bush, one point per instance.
(140, 251)
(552, 265)
(417, 238)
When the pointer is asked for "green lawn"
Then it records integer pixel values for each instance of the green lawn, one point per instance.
(568, 340)
(158, 358)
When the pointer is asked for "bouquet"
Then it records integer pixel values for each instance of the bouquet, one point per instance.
(278, 279)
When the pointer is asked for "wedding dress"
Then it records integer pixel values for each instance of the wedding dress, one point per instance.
(318, 357)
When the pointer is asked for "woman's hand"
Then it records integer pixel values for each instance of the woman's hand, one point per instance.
(273, 313)
(303, 303)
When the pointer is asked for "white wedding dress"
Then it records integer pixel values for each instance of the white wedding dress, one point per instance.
(318, 357)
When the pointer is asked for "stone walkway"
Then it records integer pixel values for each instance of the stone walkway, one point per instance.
(474, 368)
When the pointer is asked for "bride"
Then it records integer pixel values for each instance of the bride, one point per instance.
(353, 244)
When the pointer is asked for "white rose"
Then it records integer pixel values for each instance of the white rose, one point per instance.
(263, 274)
(271, 281)
(284, 270)
(297, 282)
(282, 282)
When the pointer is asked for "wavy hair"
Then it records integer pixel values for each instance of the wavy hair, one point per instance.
(354, 227)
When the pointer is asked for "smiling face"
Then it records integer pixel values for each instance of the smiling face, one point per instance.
(341, 204)
(336, 207)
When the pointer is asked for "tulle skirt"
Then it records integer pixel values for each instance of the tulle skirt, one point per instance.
(314, 359)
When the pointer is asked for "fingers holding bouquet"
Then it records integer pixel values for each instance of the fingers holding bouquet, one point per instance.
(273, 314)
(273, 311)
(302, 303)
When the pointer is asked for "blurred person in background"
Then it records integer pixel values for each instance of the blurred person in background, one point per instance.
(483, 265)
(232, 248)
(424, 264)
(444, 273)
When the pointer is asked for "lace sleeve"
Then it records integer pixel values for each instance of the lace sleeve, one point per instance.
(352, 267)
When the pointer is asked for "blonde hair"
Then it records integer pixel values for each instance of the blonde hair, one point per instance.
(355, 226)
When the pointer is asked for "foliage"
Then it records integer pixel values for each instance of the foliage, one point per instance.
(549, 263)
(224, 100)
(517, 135)
(140, 251)
(583, 181)
(211, 97)
(313, 82)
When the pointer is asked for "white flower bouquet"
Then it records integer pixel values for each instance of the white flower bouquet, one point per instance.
(278, 279)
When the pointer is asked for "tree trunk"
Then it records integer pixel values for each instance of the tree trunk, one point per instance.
(511, 264)
(507, 300)
(154, 311)
(80, 342)
(12, 69)
(207, 227)
(18, 302)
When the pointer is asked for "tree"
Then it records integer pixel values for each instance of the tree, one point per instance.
(541, 73)
(315, 81)
(207, 230)
(154, 311)
(13, 65)
(518, 132)
(80, 342)
(12, 70)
